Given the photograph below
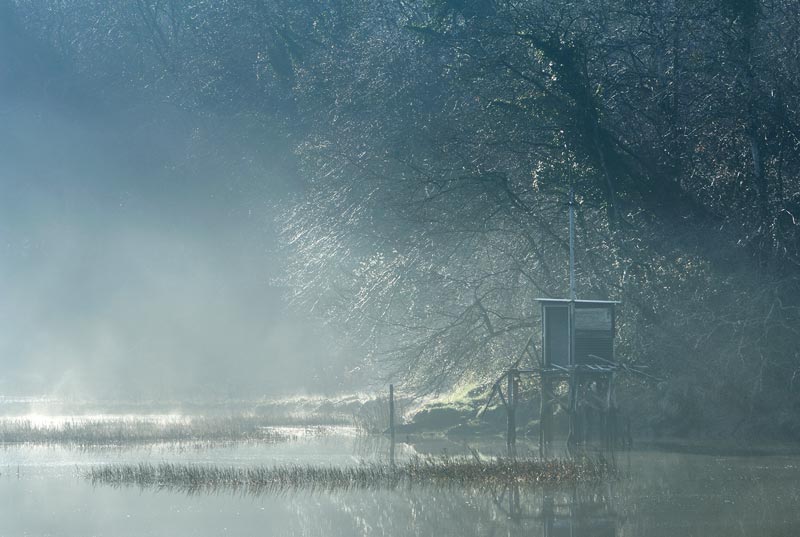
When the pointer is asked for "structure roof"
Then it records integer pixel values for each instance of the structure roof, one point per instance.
(567, 300)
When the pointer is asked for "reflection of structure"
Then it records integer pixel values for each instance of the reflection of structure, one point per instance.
(561, 513)
(578, 517)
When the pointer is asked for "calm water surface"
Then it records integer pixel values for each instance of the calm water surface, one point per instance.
(662, 494)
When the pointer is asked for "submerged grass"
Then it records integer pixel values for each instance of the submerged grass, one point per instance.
(436, 471)
(140, 430)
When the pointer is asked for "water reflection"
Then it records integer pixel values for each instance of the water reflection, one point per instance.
(461, 513)
(661, 494)
(574, 512)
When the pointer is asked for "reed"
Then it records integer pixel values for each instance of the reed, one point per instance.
(140, 430)
(428, 471)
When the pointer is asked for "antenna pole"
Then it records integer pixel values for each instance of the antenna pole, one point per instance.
(572, 293)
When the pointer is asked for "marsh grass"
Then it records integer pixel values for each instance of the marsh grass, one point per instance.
(140, 430)
(420, 471)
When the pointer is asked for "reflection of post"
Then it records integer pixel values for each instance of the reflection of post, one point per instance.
(578, 513)
(391, 423)
(548, 515)
(514, 505)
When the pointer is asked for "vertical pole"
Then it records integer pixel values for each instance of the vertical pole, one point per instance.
(573, 435)
(391, 410)
(612, 414)
(546, 415)
(543, 407)
(511, 403)
(572, 294)
(391, 423)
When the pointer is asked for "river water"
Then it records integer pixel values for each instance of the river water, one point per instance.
(42, 492)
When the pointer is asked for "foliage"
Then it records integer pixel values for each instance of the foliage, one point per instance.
(437, 140)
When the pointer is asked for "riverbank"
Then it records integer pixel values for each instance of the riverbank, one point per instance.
(460, 414)
(648, 415)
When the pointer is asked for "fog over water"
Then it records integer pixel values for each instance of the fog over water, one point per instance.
(417, 268)
(139, 256)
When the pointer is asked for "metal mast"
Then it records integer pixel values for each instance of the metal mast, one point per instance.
(572, 294)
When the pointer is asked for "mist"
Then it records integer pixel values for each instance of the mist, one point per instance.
(139, 254)
(428, 267)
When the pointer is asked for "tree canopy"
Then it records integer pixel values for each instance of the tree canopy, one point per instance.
(435, 141)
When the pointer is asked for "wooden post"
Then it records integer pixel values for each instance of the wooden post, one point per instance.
(391, 423)
(511, 403)
(573, 435)
(611, 415)
(391, 410)
(545, 414)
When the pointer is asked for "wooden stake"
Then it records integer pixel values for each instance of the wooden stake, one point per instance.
(511, 434)
(391, 424)
(391, 411)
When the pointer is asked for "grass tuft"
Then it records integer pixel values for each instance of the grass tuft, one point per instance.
(139, 431)
(436, 471)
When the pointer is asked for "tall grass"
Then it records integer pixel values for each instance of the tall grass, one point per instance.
(126, 431)
(437, 471)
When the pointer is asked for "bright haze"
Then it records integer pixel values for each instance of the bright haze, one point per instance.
(136, 260)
